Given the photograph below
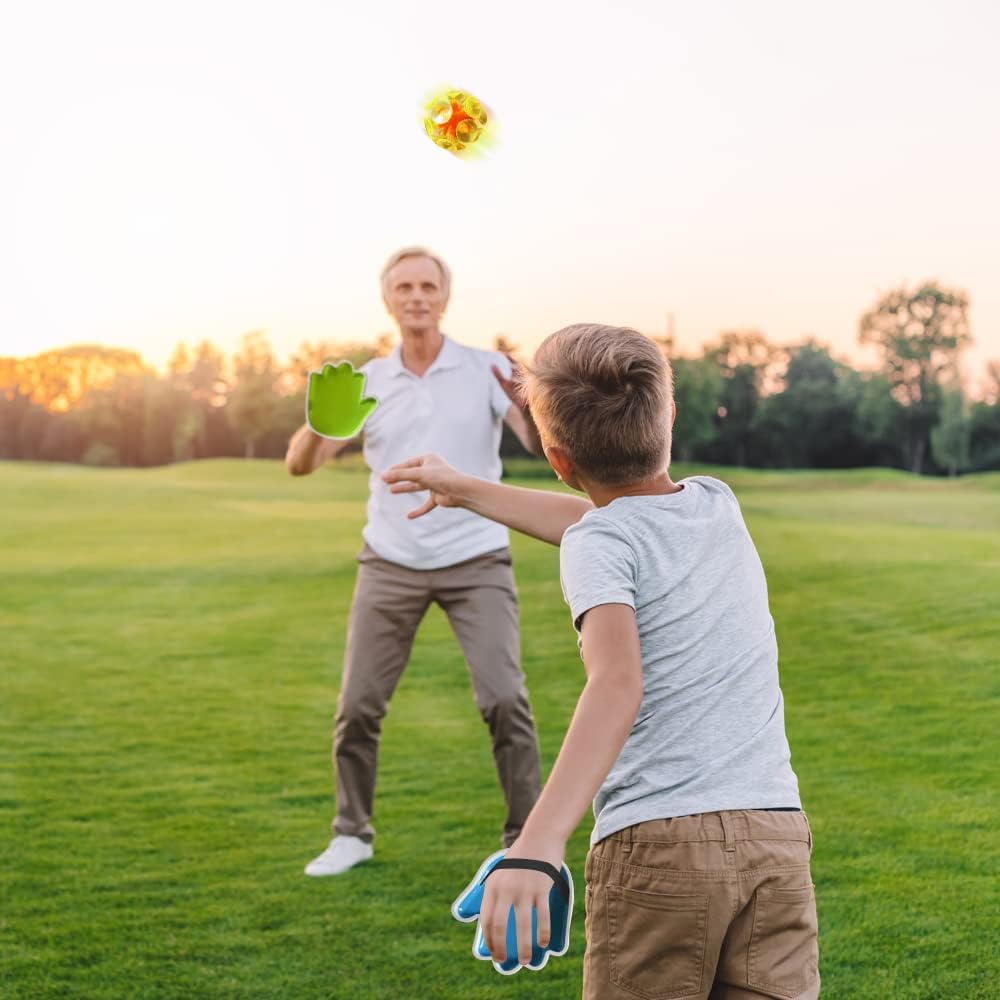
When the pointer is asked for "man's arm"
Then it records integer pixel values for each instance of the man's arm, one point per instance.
(518, 416)
(520, 422)
(307, 451)
(543, 514)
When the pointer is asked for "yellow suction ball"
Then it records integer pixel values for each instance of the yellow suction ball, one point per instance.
(456, 121)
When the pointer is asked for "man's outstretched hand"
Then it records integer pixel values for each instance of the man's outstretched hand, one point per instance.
(335, 407)
(427, 472)
(511, 386)
(519, 416)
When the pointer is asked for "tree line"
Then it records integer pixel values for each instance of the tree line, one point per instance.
(742, 401)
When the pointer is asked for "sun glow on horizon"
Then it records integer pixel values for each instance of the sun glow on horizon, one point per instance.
(737, 169)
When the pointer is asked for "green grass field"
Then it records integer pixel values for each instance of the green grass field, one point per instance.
(170, 646)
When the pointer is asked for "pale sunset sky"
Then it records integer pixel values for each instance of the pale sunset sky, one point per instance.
(179, 171)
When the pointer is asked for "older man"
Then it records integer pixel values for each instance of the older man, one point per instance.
(435, 395)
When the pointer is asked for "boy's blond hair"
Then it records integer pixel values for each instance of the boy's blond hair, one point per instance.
(603, 394)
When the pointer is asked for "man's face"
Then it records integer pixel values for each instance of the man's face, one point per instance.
(414, 299)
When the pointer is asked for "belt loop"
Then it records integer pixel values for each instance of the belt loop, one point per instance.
(627, 840)
(727, 831)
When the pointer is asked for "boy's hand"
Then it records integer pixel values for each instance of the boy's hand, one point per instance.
(522, 890)
(427, 472)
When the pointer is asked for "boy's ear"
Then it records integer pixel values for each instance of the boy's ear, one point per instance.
(673, 412)
(561, 463)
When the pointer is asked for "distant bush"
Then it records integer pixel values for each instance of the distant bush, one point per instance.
(100, 453)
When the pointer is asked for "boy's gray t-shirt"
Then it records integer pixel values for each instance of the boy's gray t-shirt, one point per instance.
(710, 733)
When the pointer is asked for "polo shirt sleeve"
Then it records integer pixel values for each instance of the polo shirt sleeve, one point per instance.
(499, 403)
(367, 369)
(597, 565)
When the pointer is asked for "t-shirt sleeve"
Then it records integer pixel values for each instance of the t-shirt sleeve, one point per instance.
(597, 565)
(723, 488)
(499, 401)
(714, 486)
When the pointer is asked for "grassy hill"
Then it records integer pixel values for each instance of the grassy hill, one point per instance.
(170, 644)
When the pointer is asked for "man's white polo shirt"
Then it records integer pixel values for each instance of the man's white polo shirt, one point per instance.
(456, 410)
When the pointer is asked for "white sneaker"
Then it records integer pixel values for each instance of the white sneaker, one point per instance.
(343, 853)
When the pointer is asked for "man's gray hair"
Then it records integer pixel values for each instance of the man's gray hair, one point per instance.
(417, 252)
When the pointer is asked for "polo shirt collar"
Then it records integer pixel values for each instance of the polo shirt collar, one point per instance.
(448, 357)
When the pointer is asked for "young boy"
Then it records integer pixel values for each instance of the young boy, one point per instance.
(698, 881)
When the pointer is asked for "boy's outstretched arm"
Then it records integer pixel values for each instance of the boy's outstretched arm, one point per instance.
(601, 723)
(543, 514)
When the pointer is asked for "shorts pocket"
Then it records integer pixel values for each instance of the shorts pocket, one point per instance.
(784, 953)
(656, 942)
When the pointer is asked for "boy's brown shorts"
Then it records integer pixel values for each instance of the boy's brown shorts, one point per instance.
(719, 906)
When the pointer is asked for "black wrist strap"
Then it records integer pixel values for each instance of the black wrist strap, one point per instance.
(536, 866)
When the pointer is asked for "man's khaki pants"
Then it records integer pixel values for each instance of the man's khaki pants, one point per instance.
(480, 600)
(718, 906)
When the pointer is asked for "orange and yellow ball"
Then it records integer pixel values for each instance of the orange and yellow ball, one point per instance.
(455, 121)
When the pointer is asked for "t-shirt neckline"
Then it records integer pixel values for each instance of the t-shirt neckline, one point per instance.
(671, 497)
